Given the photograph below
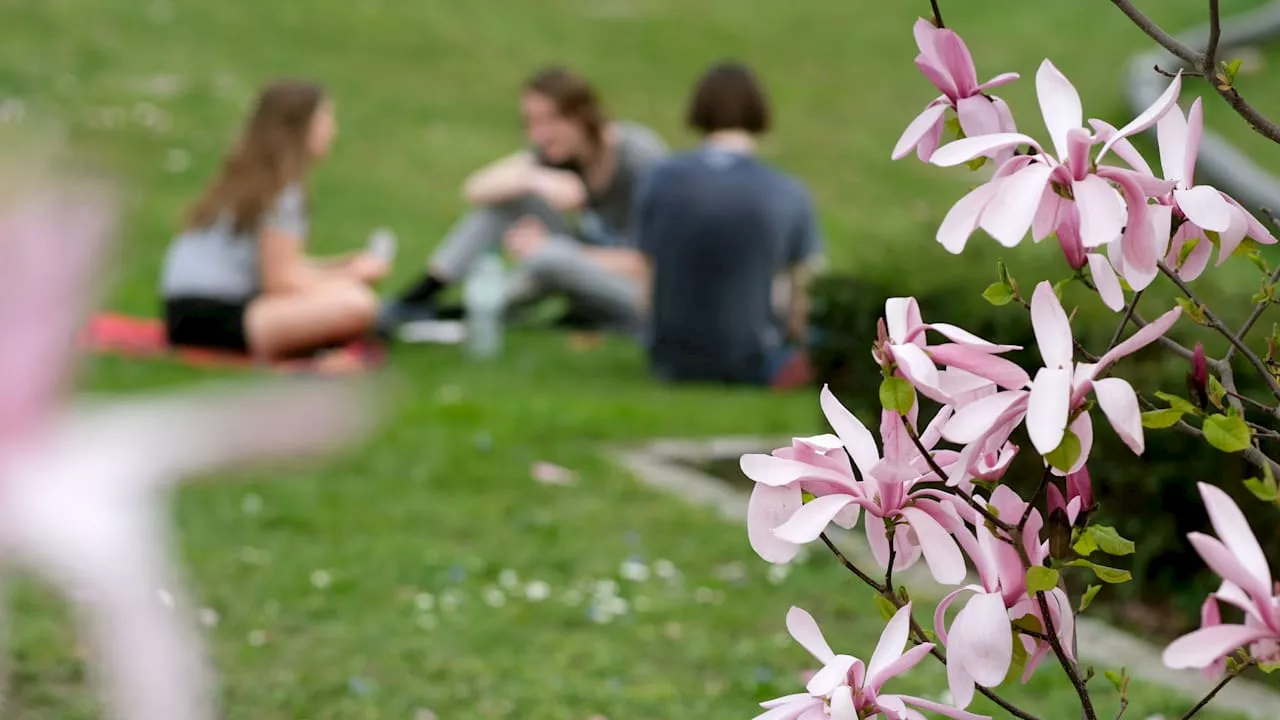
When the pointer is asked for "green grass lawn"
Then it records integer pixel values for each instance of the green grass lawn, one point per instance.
(391, 580)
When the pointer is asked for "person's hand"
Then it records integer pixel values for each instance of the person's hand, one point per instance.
(368, 268)
(525, 238)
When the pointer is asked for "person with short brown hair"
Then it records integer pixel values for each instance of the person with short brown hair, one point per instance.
(578, 162)
(718, 226)
(237, 276)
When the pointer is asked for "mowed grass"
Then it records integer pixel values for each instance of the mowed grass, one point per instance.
(410, 573)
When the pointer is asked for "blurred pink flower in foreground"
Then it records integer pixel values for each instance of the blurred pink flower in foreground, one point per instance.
(80, 482)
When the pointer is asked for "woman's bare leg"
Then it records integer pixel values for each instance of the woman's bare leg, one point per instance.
(278, 326)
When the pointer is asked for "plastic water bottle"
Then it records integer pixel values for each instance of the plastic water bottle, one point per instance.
(382, 244)
(484, 296)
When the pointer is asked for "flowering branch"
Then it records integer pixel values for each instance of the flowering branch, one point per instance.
(1208, 698)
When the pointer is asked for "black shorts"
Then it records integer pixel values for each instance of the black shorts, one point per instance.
(205, 323)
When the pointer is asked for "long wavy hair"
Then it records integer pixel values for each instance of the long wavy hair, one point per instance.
(270, 154)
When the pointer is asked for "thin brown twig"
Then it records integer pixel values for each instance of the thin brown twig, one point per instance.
(1168, 74)
(1218, 325)
(1124, 321)
(1157, 33)
(893, 556)
(937, 14)
(1215, 32)
(1204, 702)
(937, 470)
(1258, 309)
(850, 566)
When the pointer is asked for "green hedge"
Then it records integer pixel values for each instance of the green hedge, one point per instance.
(1151, 499)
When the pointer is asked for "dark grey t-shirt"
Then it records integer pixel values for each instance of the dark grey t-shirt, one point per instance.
(607, 218)
(718, 227)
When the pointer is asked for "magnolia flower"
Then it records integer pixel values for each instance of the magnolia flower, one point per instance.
(779, 522)
(945, 61)
(1031, 192)
(846, 688)
(1237, 558)
(979, 360)
(1052, 404)
(1203, 206)
(82, 481)
(1078, 500)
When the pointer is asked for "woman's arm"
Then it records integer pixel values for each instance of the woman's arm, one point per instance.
(519, 174)
(283, 265)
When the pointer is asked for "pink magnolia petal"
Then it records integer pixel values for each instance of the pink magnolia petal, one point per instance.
(936, 76)
(1049, 215)
(940, 709)
(1059, 104)
(940, 613)
(1220, 559)
(1205, 207)
(1009, 215)
(1051, 326)
(960, 335)
(1122, 147)
(1259, 232)
(926, 35)
(902, 319)
(1005, 373)
(1171, 134)
(804, 629)
(1104, 278)
(1144, 337)
(1162, 105)
(831, 676)
(857, 438)
(924, 123)
(909, 659)
(965, 149)
(812, 519)
(842, 706)
(956, 61)
(977, 116)
(916, 365)
(1198, 259)
(1233, 530)
(941, 553)
(1194, 133)
(1063, 619)
(768, 508)
(982, 639)
(1203, 647)
(1101, 214)
(959, 683)
(1138, 242)
(962, 219)
(1048, 408)
(890, 646)
(1007, 123)
(1161, 217)
(1120, 404)
(1082, 426)
(977, 418)
(793, 707)
(1079, 143)
(776, 471)
(997, 81)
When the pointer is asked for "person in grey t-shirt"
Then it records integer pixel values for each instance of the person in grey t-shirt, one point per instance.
(578, 162)
(719, 226)
(237, 277)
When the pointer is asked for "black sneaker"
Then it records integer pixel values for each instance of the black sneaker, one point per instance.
(396, 313)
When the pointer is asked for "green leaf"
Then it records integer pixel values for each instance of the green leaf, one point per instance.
(1067, 452)
(806, 496)
(1108, 540)
(1216, 392)
(1228, 433)
(1061, 285)
(1214, 238)
(1187, 247)
(1182, 405)
(976, 163)
(1104, 573)
(1229, 71)
(1019, 661)
(953, 125)
(998, 294)
(1119, 679)
(886, 607)
(1195, 313)
(1260, 488)
(897, 394)
(1002, 271)
(1085, 545)
(1160, 419)
(1268, 668)
(1041, 579)
(1088, 596)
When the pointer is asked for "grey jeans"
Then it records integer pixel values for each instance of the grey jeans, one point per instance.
(560, 267)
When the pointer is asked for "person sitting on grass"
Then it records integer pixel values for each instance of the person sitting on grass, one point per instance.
(577, 162)
(718, 227)
(237, 277)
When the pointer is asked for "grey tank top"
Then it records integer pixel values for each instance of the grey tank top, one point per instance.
(217, 263)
